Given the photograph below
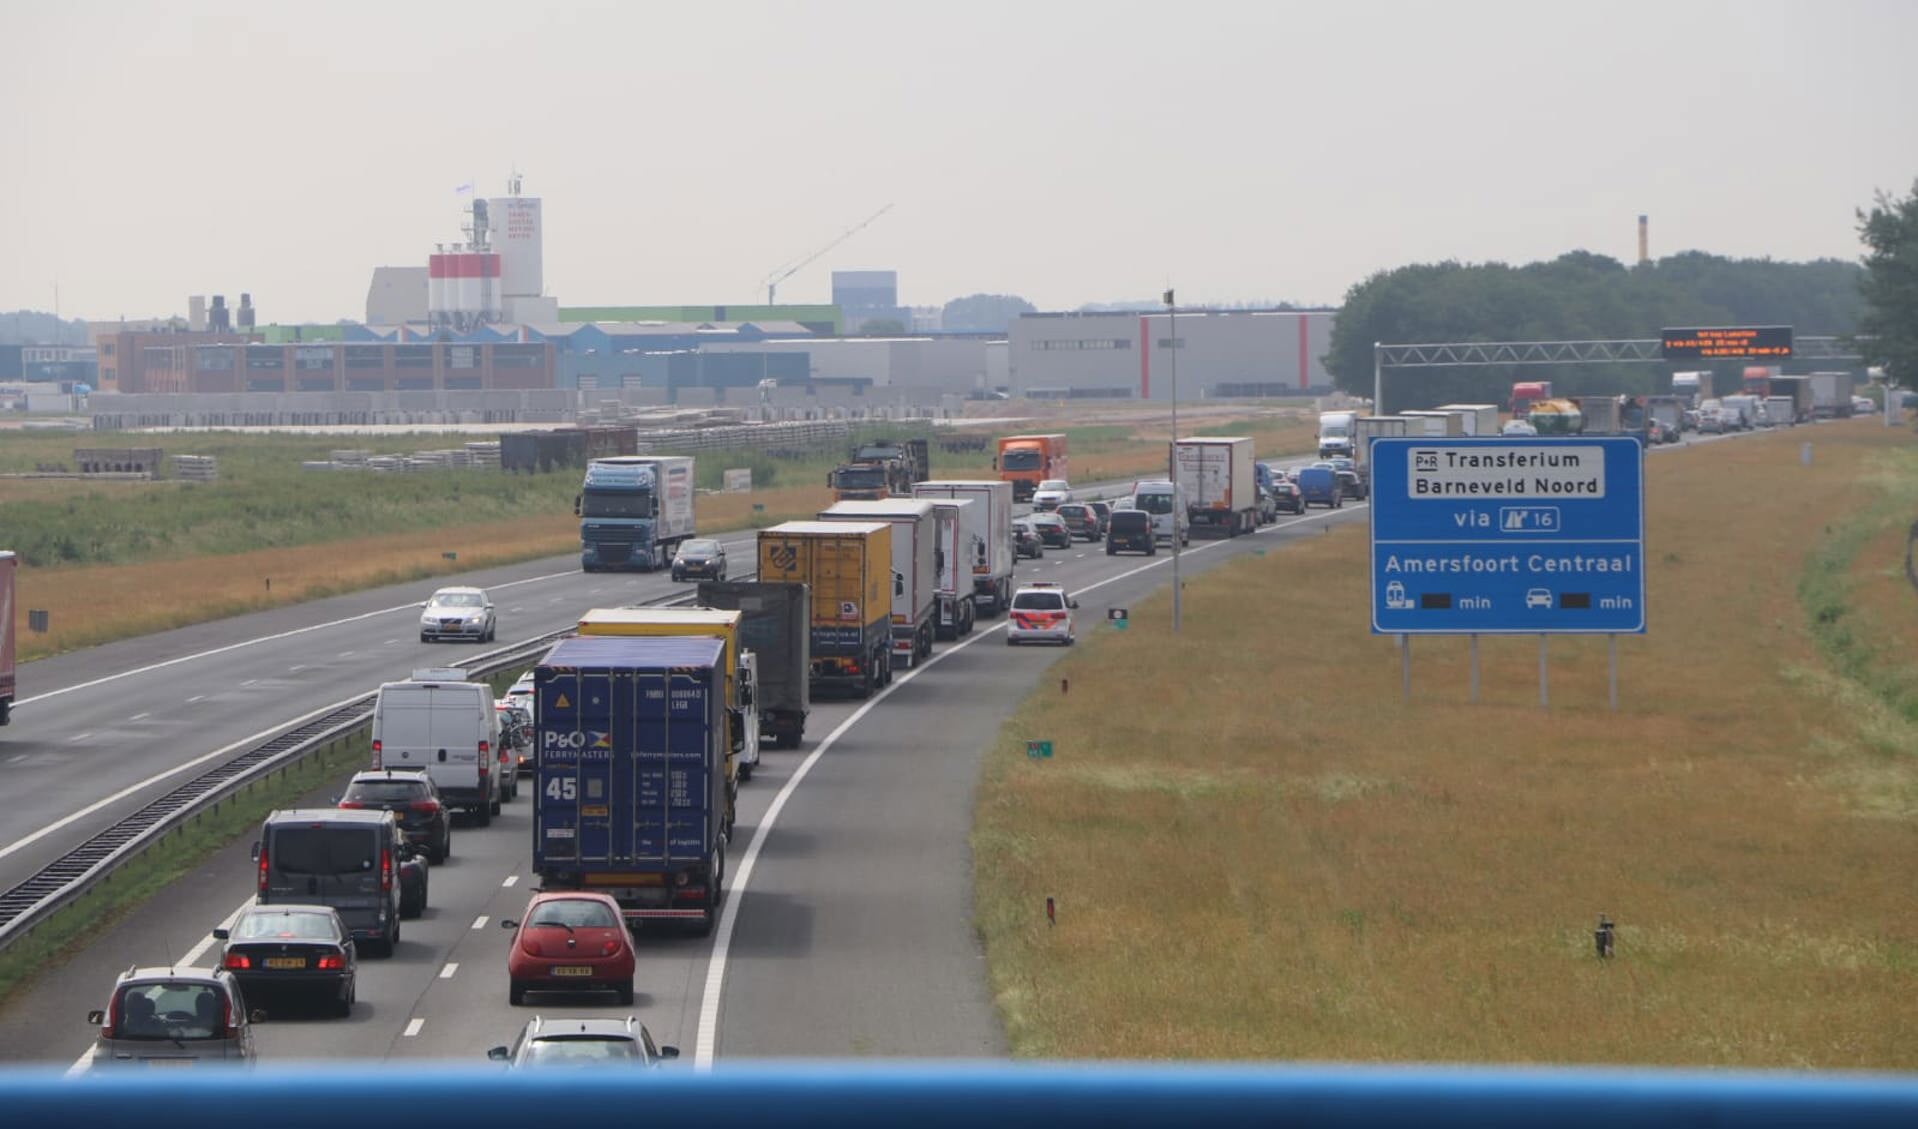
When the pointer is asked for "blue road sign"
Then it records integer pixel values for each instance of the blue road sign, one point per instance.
(1508, 535)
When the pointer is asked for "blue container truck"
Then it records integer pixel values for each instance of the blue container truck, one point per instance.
(631, 775)
(634, 510)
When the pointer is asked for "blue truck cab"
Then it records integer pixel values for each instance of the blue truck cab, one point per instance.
(634, 510)
(631, 796)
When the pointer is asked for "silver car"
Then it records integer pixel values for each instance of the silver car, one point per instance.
(459, 613)
(174, 1017)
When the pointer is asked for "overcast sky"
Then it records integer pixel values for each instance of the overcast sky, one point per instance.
(1065, 152)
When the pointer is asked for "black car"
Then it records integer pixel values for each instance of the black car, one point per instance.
(1131, 530)
(1104, 510)
(292, 947)
(583, 1042)
(1286, 496)
(702, 558)
(413, 800)
(1082, 521)
(1052, 530)
(1025, 540)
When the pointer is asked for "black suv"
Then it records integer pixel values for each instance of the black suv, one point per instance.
(413, 800)
(1131, 530)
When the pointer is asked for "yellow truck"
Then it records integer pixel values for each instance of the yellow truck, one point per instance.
(848, 567)
(742, 720)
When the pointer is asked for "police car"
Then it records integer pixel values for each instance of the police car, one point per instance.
(1041, 612)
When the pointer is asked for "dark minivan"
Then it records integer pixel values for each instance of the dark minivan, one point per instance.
(346, 859)
(1131, 530)
(1320, 486)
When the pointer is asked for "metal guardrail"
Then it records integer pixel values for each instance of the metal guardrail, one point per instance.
(75, 873)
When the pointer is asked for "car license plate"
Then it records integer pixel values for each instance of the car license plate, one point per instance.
(572, 970)
(286, 962)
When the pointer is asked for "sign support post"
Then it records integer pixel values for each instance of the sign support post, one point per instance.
(1405, 666)
(1611, 644)
(1475, 666)
(1544, 688)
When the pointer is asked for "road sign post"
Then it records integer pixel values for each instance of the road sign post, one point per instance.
(1508, 535)
(1039, 750)
(1116, 617)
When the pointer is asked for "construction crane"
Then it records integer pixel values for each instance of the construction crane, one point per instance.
(775, 278)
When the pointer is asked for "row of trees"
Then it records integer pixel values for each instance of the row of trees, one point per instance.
(1575, 297)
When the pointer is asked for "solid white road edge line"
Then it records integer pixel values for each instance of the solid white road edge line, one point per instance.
(706, 1041)
(413, 1026)
(130, 789)
(86, 1057)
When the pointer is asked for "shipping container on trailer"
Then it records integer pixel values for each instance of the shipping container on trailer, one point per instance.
(632, 798)
(915, 566)
(847, 566)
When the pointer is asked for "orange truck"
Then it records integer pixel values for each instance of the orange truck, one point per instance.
(1027, 460)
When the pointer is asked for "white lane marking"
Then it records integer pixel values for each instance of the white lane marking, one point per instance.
(249, 682)
(706, 1041)
(138, 716)
(196, 656)
(16, 758)
(192, 957)
(296, 668)
(196, 698)
(78, 737)
(347, 654)
(446, 973)
(511, 880)
(177, 769)
(413, 1027)
(479, 922)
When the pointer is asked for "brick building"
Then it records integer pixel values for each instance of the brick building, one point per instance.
(335, 366)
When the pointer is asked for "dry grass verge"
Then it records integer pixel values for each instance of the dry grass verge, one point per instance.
(1259, 851)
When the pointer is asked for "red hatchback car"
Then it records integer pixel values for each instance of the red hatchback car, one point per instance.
(570, 941)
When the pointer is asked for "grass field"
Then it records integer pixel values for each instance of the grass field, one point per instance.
(1258, 851)
(112, 560)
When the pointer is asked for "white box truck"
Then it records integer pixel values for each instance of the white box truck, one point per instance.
(956, 611)
(1364, 430)
(990, 521)
(1434, 424)
(1335, 433)
(1477, 419)
(1220, 485)
(915, 579)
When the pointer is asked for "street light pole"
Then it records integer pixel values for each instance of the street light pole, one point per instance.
(1172, 449)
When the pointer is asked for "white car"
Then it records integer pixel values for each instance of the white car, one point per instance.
(459, 613)
(1051, 494)
(1863, 406)
(1041, 613)
(521, 691)
(1518, 427)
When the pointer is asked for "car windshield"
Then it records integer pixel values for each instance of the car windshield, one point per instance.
(322, 850)
(1019, 458)
(579, 1050)
(1155, 503)
(296, 925)
(578, 913)
(699, 549)
(1125, 520)
(457, 600)
(1039, 601)
(600, 503)
(1056, 484)
(385, 791)
(1073, 511)
(1048, 520)
(173, 1010)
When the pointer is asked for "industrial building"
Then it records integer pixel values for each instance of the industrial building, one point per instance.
(123, 354)
(867, 296)
(1129, 355)
(427, 366)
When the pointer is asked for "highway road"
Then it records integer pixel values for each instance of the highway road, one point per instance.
(853, 937)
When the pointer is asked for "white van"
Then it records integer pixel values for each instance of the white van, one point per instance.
(1166, 503)
(442, 723)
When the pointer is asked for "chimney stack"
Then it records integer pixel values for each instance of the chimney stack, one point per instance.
(1644, 240)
